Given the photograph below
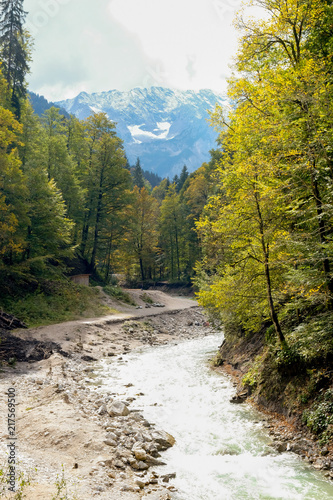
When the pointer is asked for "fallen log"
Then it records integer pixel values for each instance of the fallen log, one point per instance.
(9, 322)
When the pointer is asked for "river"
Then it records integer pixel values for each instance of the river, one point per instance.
(222, 450)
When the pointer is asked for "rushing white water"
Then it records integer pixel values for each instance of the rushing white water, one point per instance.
(221, 450)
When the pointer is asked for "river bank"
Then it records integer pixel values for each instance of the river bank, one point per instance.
(77, 437)
(69, 436)
(282, 416)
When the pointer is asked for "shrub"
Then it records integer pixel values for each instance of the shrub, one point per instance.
(118, 293)
(319, 418)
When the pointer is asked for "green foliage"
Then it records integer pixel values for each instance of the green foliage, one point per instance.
(138, 177)
(267, 231)
(313, 339)
(319, 418)
(54, 302)
(145, 297)
(62, 492)
(288, 360)
(22, 481)
(174, 235)
(119, 294)
(141, 236)
(253, 375)
(105, 181)
(14, 50)
(217, 360)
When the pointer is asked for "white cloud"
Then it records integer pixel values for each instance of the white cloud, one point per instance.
(81, 45)
(193, 43)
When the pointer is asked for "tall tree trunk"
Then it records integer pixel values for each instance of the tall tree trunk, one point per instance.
(108, 257)
(272, 310)
(265, 250)
(177, 248)
(142, 268)
(323, 235)
(97, 221)
(171, 257)
(86, 227)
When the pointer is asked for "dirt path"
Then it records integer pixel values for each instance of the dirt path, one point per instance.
(70, 332)
(106, 448)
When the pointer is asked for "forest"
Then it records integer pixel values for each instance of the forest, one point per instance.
(252, 230)
(69, 197)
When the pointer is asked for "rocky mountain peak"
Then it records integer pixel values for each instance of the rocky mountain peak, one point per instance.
(165, 128)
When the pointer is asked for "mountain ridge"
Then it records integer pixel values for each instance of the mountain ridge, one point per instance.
(165, 128)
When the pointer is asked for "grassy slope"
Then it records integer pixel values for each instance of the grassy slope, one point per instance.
(55, 301)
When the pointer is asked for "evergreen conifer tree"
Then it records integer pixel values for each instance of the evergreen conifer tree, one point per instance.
(13, 49)
(138, 177)
(182, 178)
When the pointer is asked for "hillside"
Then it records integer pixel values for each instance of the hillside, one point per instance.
(40, 104)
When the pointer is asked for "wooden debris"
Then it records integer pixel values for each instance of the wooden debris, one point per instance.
(9, 322)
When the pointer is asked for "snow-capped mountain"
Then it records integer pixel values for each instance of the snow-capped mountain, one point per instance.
(164, 128)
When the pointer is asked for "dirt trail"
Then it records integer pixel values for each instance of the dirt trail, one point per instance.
(68, 331)
(63, 420)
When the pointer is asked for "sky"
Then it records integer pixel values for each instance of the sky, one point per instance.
(81, 45)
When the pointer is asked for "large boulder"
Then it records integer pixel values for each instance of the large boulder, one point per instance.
(117, 409)
(163, 440)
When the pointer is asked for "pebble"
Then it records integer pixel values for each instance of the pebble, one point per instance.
(110, 442)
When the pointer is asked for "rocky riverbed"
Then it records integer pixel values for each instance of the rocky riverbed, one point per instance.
(72, 439)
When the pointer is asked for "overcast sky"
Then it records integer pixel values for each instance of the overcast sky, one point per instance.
(81, 45)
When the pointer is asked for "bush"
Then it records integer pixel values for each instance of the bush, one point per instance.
(145, 297)
(319, 418)
(61, 301)
(289, 361)
(118, 293)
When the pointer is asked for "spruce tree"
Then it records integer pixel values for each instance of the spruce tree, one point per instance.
(182, 178)
(13, 50)
(138, 178)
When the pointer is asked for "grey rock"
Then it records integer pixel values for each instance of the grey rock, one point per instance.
(127, 487)
(102, 410)
(153, 461)
(117, 409)
(301, 446)
(140, 483)
(280, 446)
(139, 453)
(139, 465)
(240, 397)
(163, 440)
(111, 435)
(110, 442)
(107, 461)
(157, 496)
(166, 478)
(119, 464)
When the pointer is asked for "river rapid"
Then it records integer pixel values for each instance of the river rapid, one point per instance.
(222, 450)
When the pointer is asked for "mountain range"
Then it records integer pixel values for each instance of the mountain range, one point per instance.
(165, 128)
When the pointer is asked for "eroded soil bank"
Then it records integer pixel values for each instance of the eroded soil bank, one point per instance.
(282, 409)
(69, 438)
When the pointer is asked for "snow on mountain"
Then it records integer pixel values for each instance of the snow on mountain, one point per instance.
(165, 128)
